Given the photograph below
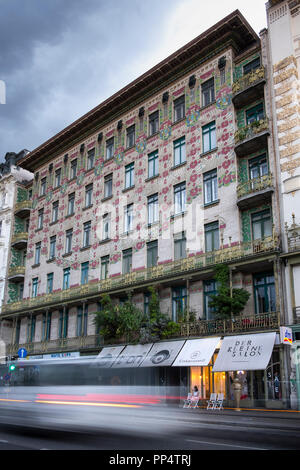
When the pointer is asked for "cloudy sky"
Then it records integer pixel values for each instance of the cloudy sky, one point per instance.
(61, 58)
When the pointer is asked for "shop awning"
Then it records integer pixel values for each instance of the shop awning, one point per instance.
(162, 354)
(196, 352)
(245, 352)
(132, 355)
(108, 356)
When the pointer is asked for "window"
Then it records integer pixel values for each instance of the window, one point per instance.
(127, 261)
(35, 286)
(264, 293)
(153, 123)
(110, 148)
(40, 218)
(208, 92)
(57, 178)
(258, 166)
(128, 218)
(71, 204)
(73, 168)
(63, 323)
(88, 195)
(46, 332)
(90, 159)
(179, 298)
(37, 253)
(130, 137)
(251, 66)
(86, 234)
(147, 297)
(129, 175)
(106, 227)
(108, 181)
(43, 187)
(66, 278)
(52, 247)
(209, 289)
(211, 236)
(55, 211)
(210, 181)
(82, 320)
(179, 108)
(261, 224)
(255, 114)
(179, 246)
(85, 273)
(179, 151)
(152, 253)
(104, 267)
(153, 164)
(153, 209)
(69, 236)
(209, 137)
(179, 198)
(49, 283)
(31, 322)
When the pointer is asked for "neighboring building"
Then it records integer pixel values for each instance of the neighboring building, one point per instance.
(14, 183)
(284, 23)
(169, 177)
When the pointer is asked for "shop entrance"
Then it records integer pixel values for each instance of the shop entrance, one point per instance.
(207, 381)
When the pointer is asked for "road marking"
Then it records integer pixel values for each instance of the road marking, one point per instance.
(226, 445)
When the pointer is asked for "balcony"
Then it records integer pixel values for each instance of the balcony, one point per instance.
(249, 87)
(16, 273)
(23, 208)
(241, 324)
(252, 138)
(76, 343)
(19, 240)
(174, 269)
(255, 191)
(200, 328)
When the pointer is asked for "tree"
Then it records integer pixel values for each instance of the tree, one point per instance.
(106, 320)
(227, 302)
(130, 320)
(158, 325)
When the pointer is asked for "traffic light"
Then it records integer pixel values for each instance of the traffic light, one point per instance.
(12, 367)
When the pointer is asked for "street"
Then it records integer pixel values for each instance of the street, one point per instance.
(188, 430)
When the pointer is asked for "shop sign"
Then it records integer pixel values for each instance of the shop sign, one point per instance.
(107, 356)
(162, 354)
(245, 352)
(196, 352)
(286, 335)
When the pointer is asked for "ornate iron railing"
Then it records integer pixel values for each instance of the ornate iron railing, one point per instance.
(251, 130)
(239, 324)
(19, 206)
(59, 344)
(248, 80)
(16, 271)
(198, 262)
(254, 185)
(18, 237)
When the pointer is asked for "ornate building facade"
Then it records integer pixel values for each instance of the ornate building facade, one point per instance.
(171, 176)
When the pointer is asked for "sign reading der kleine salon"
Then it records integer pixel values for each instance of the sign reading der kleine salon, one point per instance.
(245, 352)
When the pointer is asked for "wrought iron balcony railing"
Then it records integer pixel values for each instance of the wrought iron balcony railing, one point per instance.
(266, 321)
(16, 271)
(251, 130)
(255, 185)
(250, 79)
(198, 262)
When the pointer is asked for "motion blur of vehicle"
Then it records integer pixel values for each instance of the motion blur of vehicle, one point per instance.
(79, 394)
